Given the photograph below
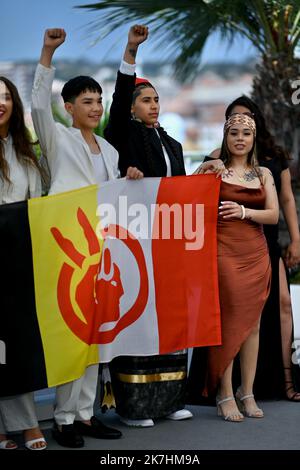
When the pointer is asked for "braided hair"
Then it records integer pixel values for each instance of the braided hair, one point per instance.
(164, 136)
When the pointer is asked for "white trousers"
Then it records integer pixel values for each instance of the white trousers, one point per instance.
(75, 400)
(17, 413)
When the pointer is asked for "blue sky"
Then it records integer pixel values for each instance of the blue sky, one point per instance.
(23, 23)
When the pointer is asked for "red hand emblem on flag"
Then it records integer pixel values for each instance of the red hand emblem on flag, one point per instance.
(97, 298)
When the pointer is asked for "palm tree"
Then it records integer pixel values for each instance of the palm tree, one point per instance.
(272, 26)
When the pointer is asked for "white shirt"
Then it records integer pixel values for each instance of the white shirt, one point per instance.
(99, 168)
(68, 154)
(167, 159)
(25, 179)
(127, 69)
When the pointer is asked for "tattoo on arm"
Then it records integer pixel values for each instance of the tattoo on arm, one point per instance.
(132, 52)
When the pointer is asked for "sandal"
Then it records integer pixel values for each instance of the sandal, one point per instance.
(5, 442)
(240, 398)
(234, 416)
(290, 392)
(29, 444)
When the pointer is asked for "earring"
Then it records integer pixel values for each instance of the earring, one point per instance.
(135, 118)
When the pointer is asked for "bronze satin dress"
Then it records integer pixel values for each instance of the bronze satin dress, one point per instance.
(244, 278)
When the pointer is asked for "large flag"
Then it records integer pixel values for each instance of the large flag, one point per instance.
(125, 269)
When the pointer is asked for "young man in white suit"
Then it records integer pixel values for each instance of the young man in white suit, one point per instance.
(76, 158)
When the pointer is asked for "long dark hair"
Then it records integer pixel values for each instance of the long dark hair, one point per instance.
(19, 133)
(265, 142)
(226, 156)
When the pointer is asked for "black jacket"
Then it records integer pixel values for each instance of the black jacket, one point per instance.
(138, 145)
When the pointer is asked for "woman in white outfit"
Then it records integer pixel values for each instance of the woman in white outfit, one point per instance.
(20, 179)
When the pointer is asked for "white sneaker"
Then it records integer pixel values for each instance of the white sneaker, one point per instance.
(180, 414)
(138, 423)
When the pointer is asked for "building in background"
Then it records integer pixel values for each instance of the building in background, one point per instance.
(193, 113)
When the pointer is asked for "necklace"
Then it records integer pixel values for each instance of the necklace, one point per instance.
(242, 178)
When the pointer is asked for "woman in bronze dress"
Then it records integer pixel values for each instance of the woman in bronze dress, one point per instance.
(277, 375)
(247, 200)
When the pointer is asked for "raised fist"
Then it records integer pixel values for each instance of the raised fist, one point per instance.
(137, 34)
(53, 38)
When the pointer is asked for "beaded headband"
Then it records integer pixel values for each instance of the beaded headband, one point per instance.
(240, 119)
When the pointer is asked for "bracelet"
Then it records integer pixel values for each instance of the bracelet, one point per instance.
(243, 212)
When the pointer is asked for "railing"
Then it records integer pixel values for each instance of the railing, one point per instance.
(192, 159)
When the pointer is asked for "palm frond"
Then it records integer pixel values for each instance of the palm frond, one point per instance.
(181, 28)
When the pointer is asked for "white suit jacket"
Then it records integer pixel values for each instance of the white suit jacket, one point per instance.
(67, 152)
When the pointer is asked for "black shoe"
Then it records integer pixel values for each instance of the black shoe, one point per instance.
(97, 429)
(68, 436)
